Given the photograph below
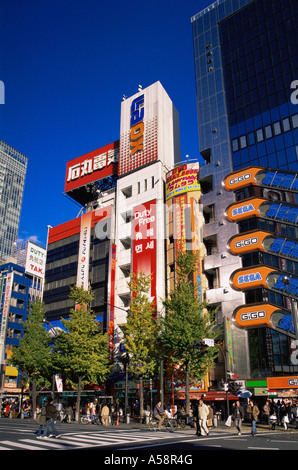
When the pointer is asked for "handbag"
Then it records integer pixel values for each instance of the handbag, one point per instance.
(229, 421)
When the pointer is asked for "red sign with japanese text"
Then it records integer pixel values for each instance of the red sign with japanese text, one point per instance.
(144, 242)
(92, 166)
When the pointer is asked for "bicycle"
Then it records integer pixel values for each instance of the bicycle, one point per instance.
(168, 424)
(90, 419)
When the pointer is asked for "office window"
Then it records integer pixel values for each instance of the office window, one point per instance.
(277, 128)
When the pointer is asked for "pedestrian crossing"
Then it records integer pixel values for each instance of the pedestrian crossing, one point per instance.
(77, 440)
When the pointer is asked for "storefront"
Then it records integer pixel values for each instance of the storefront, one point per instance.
(274, 387)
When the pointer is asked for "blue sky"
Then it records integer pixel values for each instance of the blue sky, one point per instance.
(66, 64)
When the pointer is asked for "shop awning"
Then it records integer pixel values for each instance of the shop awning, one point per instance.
(218, 395)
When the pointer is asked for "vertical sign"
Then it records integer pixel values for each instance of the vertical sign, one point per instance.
(180, 203)
(84, 251)
(144, 242)
(5, 313)
(195, 228)
(111, 306)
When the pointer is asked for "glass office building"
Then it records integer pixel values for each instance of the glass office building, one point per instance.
(246, 60)
(13, 167)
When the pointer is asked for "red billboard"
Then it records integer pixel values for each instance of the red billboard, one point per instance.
(92, 166)
(144, 242)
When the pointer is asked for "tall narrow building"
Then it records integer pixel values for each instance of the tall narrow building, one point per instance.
(246, 61)
(13, 167)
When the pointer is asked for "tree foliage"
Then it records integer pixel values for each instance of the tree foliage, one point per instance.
(188, 321)
(33, 356)
(141, 331)
(82, 350)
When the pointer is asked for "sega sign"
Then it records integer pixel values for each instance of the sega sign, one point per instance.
(137, 125)
(261, 207)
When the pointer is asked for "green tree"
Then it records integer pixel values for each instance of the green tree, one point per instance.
(34, 355)
(141, 332)
(187, 321)
(82, 350)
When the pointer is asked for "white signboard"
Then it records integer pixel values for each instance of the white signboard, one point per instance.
(35, 260)
(84, 250)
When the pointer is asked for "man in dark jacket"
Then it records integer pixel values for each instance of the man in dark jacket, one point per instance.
(51, 415)
(238, 416)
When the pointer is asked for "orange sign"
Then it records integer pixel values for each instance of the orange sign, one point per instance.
(274, 383)
(254, 315)
(250, 278)
(247, 242)
(264, 177)
(244, 209)
(241, 178)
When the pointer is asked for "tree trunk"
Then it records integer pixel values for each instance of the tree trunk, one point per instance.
(34, 396)
(141, 400)
(79, 399)
(187, 398)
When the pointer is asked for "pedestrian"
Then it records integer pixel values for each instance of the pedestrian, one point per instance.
(69, 413)
(295, 414)
(105, 412)
(238, 416)
(203, 412)
(42, 421)
(266, 412)
(273, 420)
(51, 415)
(210, 417)
(253, 412)
(160, 414)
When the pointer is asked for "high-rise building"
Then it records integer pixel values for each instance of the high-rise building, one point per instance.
(13, 167)
(246, 61)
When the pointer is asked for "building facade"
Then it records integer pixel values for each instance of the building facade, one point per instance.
(121, 229)
(13, 167)
(21, 281)
(245, 64)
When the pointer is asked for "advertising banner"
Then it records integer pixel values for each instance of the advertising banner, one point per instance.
(144, 242)
(263, 177)
(180, 202)
(264, 314)
(92, 166)
(182, 179)
(111, 305)
(84, 251)
(35, 260)
(5, 314)
(259, 207)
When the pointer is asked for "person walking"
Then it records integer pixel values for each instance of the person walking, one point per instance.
(160, 414)
(266, 412)
(238, 416)
(51, 415)
(42, 421)
(105, 412)
(69, 413)
(203, 412)
(253, 412)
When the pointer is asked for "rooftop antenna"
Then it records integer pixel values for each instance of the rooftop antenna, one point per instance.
(140, 88)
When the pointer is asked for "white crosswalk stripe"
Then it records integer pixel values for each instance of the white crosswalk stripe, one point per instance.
(84, 440)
